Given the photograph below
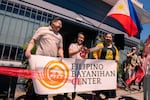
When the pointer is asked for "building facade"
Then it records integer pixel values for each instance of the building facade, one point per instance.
(20, 18)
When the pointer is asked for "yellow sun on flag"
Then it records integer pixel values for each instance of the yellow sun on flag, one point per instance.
(120, 7)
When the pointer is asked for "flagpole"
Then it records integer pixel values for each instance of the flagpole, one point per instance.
(99, 26)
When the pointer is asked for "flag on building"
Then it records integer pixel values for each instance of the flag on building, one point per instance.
(126, 15)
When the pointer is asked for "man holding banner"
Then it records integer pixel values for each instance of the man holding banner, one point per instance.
(49, 42)
(78, 51)
(108, 52)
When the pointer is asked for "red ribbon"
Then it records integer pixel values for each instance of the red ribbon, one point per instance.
(26, 73)
(17, 72)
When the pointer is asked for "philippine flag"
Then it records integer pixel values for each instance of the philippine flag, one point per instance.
(125, 14)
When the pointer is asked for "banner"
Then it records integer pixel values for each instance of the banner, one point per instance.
(70, 75)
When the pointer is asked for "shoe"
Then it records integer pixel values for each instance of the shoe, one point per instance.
(103, 97)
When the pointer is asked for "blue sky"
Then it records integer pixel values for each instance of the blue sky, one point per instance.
(146, 27)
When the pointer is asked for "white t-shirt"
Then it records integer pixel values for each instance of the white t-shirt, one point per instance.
(48, 42)
(75, 47)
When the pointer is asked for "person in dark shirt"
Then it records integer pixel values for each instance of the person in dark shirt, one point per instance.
(108, 51)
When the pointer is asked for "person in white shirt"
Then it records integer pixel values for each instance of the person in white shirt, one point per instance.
(78, 51)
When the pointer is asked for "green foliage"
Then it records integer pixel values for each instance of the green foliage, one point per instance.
(119, 69)
(32, 51)
(141, 45)
(26, 45)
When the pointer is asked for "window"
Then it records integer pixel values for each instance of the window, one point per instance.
(33, 15)
(13, 53)
(2, 6)
(16, 5)
(6, 52)
(9, 8)
(49, 18)
(28, 12)
(44, 14)
(1, 49)
(16, 26)
(43, 18)
(20, 54)
(15, 10)
(39, 15)
(22, 10)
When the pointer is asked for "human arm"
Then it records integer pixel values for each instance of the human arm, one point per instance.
(97, 52)
(72, 49)
(72, 52)
(130, 53)
(87, 52)
(139, 60)
(61, 52)
(29, 48)
(31, 43)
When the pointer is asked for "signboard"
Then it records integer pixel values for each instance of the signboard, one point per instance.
(70, 75)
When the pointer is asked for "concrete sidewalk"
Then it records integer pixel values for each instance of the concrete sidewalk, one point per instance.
(122, 94)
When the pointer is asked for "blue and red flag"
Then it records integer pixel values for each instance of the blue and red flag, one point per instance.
(126, 15)
(137, 76)
(142, 70)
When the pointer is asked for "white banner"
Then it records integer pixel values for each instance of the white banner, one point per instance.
(70, 75)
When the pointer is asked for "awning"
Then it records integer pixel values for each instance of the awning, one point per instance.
(73, 16)
(143, 15)
(11, 63)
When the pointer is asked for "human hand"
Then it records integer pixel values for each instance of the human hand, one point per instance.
(28, 54)
(134, 51)
(79, 48)
(84, 52)
(60, 58)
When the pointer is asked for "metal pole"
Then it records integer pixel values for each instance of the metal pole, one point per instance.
(9, 88)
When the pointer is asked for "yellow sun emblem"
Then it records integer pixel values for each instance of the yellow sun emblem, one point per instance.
(120, 7)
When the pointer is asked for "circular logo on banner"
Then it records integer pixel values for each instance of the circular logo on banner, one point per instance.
(55, 74)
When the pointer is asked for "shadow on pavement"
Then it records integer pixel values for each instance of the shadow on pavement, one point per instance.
(60, 97)
(86, 96)
(83, 95)
(89, 97)
(126, 98)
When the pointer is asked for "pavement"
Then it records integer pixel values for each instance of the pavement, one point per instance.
(122, 94)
